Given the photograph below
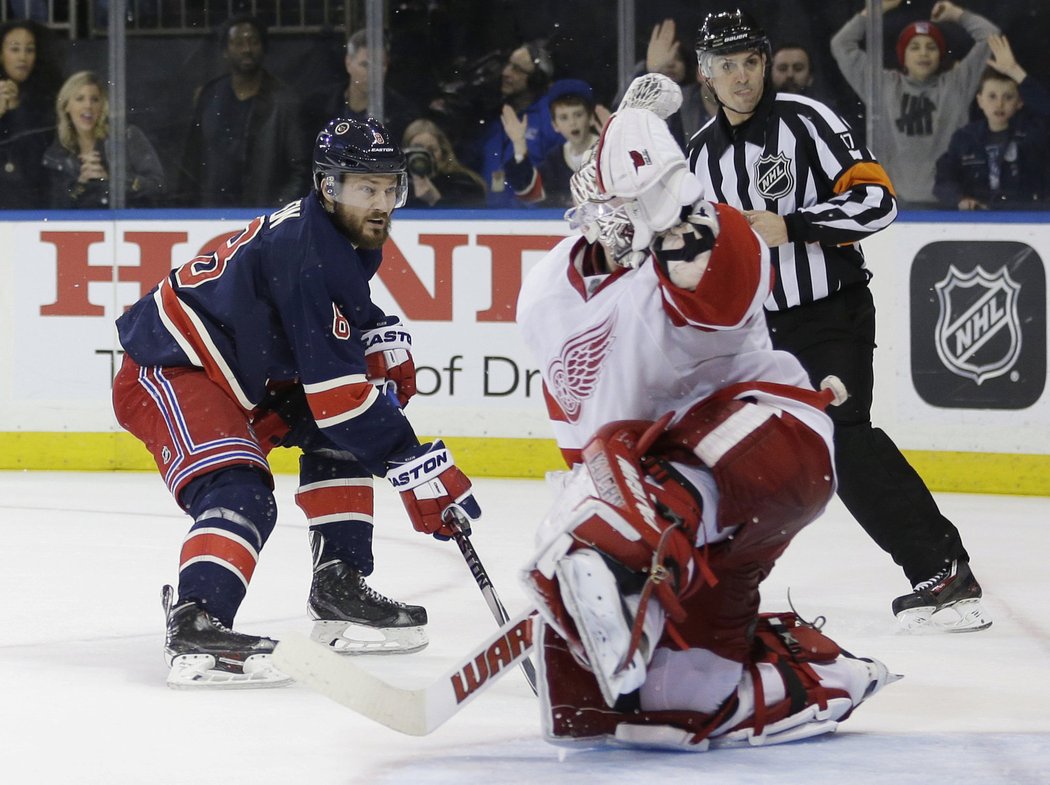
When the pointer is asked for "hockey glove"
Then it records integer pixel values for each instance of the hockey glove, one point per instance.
(388, 352)
(436, 494)
(684, 250)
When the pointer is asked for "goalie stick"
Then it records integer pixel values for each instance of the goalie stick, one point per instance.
(416, 712)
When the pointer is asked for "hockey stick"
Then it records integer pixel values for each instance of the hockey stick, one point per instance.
(415, 712)
(481, 577)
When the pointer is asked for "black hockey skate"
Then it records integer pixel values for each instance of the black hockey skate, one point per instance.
(202, 652)
(950, 601)
(353, 618)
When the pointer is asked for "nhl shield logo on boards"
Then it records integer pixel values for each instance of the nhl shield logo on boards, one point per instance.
(978, 333)
(773, 176)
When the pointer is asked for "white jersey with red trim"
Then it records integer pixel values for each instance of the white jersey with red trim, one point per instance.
(632, 345)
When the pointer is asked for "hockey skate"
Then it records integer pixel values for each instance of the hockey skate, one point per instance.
(353, 618)
(950, 601)
(202, 652)
(798, 684)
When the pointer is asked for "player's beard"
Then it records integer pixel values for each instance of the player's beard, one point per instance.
(367, 235)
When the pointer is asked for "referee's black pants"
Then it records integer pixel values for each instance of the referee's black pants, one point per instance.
(836, 335)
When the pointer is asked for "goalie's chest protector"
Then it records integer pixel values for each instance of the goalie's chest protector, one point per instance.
(608, 348)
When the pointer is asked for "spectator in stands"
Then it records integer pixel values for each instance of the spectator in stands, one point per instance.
(664, 55)
(927, 102)
(573, 116)
(27, 90)
(792, 72)
(76, 160)
(792, 69)
(437, 178)
(246, 143)
(351, 100)
(523, 87)
(1000, 162)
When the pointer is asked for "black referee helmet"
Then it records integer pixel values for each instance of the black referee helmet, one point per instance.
(727, 32)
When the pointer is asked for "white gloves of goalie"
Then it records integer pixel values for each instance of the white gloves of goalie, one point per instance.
(641, 163)
(660, 94)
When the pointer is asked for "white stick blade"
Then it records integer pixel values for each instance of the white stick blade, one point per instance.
(339, 678)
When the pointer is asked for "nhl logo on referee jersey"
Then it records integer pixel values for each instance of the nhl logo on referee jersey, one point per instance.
(773, 176)
(978, 329)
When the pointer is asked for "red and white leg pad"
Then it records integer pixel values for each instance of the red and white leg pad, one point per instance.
(603, 619)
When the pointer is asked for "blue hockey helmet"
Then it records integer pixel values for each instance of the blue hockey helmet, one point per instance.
(347, 146)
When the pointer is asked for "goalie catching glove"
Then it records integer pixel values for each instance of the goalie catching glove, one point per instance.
(388, 353)
(436, 494)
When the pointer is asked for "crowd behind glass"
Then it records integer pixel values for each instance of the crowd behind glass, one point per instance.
(496, 103)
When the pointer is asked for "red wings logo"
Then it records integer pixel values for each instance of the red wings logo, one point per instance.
(574, 375)
(638, 159)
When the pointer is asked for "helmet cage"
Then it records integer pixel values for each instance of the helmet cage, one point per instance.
(610, 222)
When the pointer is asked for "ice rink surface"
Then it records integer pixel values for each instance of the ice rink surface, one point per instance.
(83, 699)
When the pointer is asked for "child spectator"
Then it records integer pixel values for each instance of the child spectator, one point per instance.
(523, 87)
(437, 177)
(1000, 162)
(573, 116)
(924, 103)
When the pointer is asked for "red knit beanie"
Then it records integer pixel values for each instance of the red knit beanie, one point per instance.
(920, 28)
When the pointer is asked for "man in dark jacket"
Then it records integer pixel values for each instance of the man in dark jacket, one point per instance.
(245, 145)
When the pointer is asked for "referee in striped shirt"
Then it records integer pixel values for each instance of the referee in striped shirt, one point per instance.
(812, 193)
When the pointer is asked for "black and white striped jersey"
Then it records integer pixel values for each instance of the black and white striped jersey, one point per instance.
(797, 158)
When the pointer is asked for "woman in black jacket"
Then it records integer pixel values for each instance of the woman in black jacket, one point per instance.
(27, 89)
(76, 160)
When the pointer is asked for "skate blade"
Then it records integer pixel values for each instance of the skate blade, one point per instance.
(198, 671)
(348, 638)
(962, 616)
(879, 677)
(805, 724)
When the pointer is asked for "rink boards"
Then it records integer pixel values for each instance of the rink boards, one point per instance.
(960, 366)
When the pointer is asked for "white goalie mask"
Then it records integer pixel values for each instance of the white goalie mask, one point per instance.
(633, 186)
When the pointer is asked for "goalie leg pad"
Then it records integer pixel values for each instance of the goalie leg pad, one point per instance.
(604, 618)
(574, 713)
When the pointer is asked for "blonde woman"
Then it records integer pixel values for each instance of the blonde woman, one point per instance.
(76, 160)
(438, 178)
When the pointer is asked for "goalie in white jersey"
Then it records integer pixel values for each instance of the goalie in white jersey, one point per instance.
(697, 453)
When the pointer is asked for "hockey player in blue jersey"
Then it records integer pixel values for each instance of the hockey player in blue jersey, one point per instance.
(273, 340)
